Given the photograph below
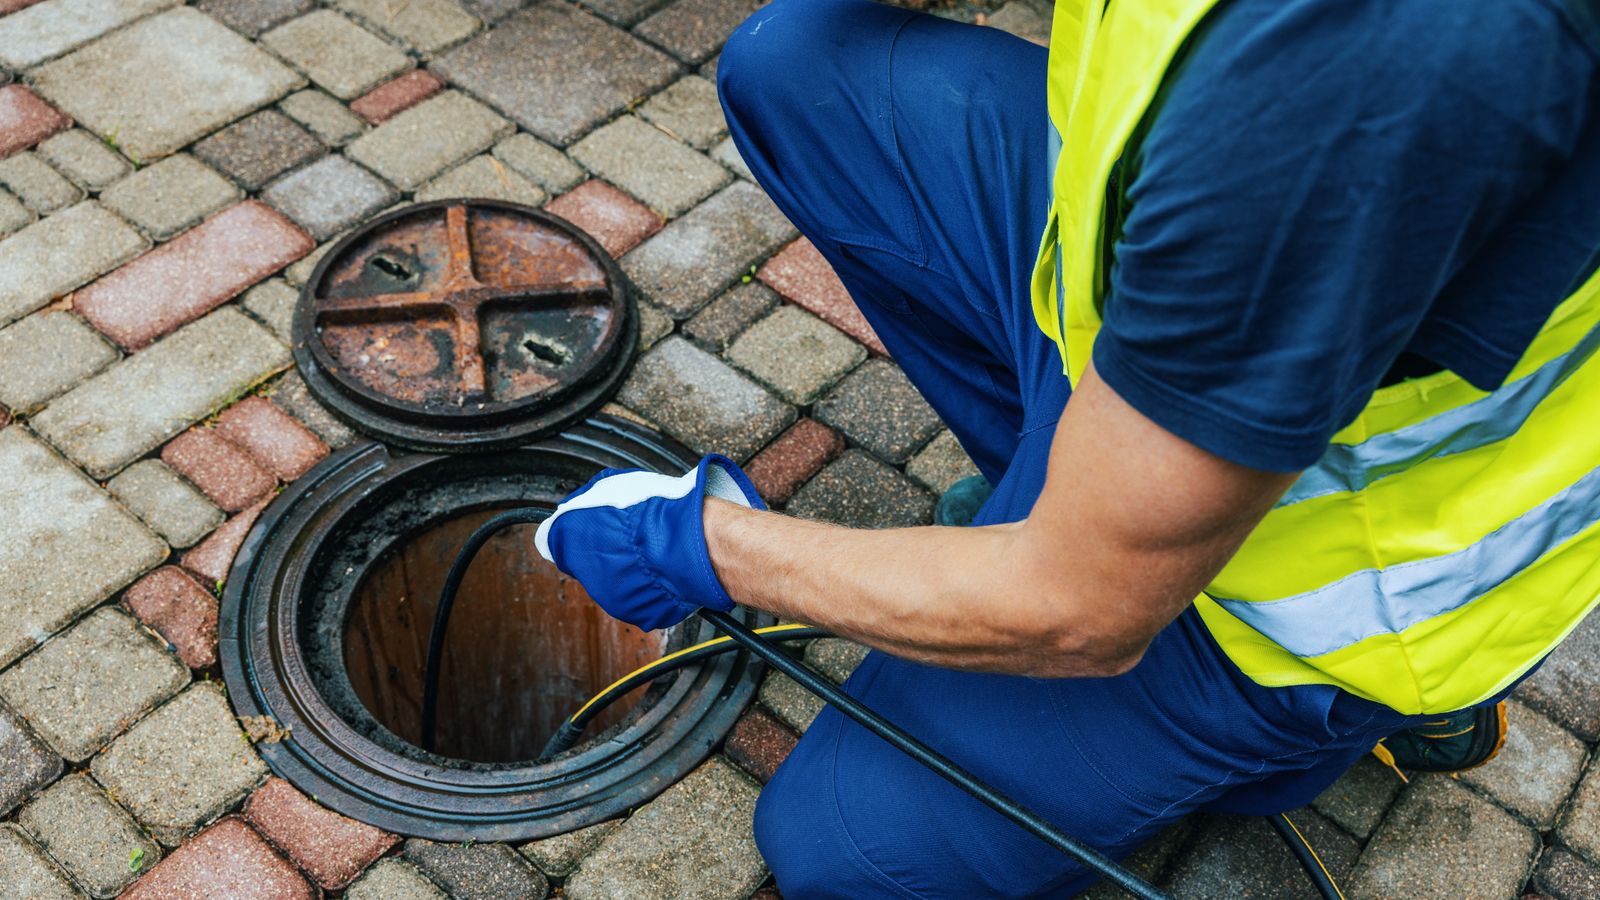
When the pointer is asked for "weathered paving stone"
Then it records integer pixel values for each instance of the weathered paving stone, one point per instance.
(292, 397)
(689, 111)
(299, 273)
(478, 871)
(173, 507)
(835, 657)
(338, 55)
(616, 220)
(272, 437)
(64, 545)
(426, 26)
(328, 119)
(759, 743)
(171, 195)
(625, 12)
(224, 472)
(726, 317)
(55, 255)
(13, 215)
(89, 835)
(861, 492)
(90, 682)
(1443, 841)
(1567, 686)
(941, 463)
(792, 704)
(559, 856)
(694, 842)
(702, 401)
(85, 159)
(273, 303)
(653, 325)
(44, 355)
(209, 77)
(182, 765)
(642, 160)
(1241, 856)
(331, 848)
(329, 196)
(1579, 827)
(391, 98)
(1358, 800)
(1027, 19)
(726, 153)
(26, 872)
(189, 276)
(877, 407)
(25, 119)
(170, 601)
(51, 29)
(428, 138)
(492, 11)
(252, 17)
(788, 462)
(693, 30)
(226, 860)
(134, 406)
(539, 162)
(27, 764)
(40, 187)
(1563, 875)
(259, 148)
(394, 879)
(1535, 770)
(557, 96)
(796, 354)
(800, 273)
(211, 558)
(483, 176)
(698, 256)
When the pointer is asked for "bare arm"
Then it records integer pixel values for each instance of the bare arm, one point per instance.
(1132, 524)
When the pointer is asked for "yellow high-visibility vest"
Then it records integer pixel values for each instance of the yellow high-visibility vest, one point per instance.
(1447, 539)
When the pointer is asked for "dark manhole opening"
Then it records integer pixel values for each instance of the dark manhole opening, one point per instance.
(526, 645)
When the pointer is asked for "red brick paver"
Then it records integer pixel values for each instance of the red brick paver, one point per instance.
(800, 273)
(180, 610)
(212, 557)
(796, 455)
(280, 444)
(226, 860)
(616, 220)
(331, 848)
(759, 743)
(392, 98)
(224, 472)
(189, 276)
(25, 119)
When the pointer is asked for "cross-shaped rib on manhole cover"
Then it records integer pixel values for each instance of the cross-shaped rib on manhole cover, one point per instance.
(485, 305)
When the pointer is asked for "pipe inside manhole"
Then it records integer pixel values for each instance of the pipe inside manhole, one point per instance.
(526, 646)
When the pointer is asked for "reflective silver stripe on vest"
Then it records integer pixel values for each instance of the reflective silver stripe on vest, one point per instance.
(1388, 601)
(1352, 467)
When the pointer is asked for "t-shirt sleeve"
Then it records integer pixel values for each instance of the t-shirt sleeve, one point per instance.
(1315, 174)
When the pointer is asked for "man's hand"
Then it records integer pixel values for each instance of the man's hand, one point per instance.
(636, 542)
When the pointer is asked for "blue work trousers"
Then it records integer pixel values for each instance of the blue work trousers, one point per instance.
(912, 151)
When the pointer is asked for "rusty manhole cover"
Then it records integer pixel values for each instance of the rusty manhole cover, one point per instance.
(465, 324)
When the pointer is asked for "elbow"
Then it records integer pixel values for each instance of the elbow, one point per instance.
(1076, 657)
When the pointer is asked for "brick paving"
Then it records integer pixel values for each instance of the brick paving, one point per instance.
(170, 173)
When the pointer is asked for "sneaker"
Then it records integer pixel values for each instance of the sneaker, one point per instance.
(1451, 743)
(959, 505)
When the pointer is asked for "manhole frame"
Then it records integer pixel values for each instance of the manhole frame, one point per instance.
(326, 757)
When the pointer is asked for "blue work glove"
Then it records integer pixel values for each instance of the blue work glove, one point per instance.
(636, 541)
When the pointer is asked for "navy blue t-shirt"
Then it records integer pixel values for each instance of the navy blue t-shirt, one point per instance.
(1332, 194)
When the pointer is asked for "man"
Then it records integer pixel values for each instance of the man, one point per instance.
(1318, 279)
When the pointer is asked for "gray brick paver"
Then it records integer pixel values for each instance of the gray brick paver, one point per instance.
(329, 196)
(273, 303)
(1358, 800)
(258, 148)
(327, 118)
(50, 29)
(338, 55)
(703, 401)
(688, 109)
(55, 255)
(539, 162)
(46, 354)
(1536, 768)
(426, 26)
(941, 463)
(64, 545)
(171, 195)
(166, 502)
(860, 491)
(796, 353)
(27, 764)
(1579, 827)
(89, 835)
(483, 176)
(37, 183)
(640, 158)
(25, 870)
(394, 879)
(13, 215)
(84, 158)
(478, 871)
(134, 406)
(877, 407)
(428, 138)
(558, 856)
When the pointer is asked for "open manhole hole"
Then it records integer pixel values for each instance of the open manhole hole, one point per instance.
(477, 326)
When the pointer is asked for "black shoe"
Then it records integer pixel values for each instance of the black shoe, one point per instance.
(959, 505)
(1449, 743)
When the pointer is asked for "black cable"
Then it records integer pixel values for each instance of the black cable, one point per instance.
(1301, 848)
(447, 599)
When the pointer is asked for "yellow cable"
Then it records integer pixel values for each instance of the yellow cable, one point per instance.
(770, 629)
(1313, 851)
